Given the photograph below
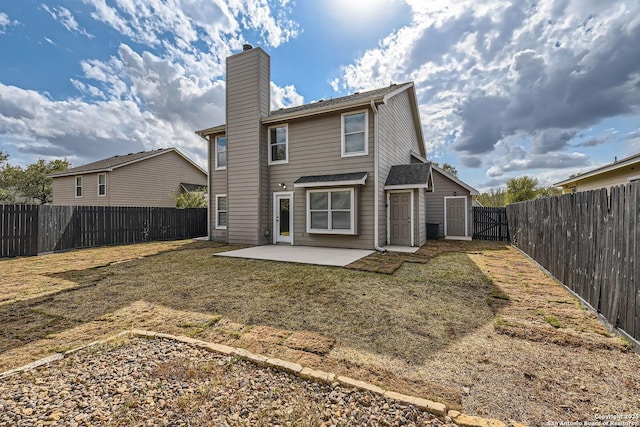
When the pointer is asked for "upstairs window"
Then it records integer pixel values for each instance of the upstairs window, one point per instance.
(102, 184)
(221, 152)
(355, 134)
(78, 186)
(278, 145)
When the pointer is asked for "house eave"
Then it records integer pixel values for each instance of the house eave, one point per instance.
(407, 186)
(320, 110)
(632, 160)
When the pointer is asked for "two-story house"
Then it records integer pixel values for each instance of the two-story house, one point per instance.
(148, 178)
(349, 172)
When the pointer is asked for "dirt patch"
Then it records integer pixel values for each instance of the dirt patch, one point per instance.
(475, 325)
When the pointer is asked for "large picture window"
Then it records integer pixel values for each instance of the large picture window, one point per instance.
(354, 134)
(278, 144)
(221, 152)
(221, 211)
(331, 211)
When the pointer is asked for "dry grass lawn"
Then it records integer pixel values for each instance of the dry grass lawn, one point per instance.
(475, 325)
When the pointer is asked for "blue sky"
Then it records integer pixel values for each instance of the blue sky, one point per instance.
(542, 88)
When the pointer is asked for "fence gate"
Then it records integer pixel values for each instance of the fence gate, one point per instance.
(490, 224)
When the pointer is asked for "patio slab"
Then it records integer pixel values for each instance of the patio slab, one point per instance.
(301, 254)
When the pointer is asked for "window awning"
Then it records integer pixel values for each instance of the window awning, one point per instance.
(335, 180)
(416, 175)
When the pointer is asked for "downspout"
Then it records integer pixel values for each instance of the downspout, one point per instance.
(376, 184)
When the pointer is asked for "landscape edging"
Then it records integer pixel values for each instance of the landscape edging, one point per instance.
(436, 408)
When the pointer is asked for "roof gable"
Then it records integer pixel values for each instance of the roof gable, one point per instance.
(111, 163)
(415, 175)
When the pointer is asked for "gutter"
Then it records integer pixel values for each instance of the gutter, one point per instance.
(376, 184)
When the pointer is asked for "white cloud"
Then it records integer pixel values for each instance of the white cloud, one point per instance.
(495, 72)
(67, 20)
(282, 97)
(5, 22)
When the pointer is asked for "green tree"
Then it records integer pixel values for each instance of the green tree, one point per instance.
(549, 191)
(521, 189)
(493, 198)
(32, 183)
(450, 169)
(191, 199)
(7, 180)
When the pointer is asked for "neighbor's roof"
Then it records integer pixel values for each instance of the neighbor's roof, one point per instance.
(415, 175)
(192, 187)
(107, 165)
(627, 161)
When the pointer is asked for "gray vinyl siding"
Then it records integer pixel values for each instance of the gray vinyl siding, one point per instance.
(217, 185)
(421, 229)
(149, 182)
(315, 149)
(396, 140)
(443, 186)
(247, 101)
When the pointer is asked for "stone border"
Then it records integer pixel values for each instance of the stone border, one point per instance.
(436, 408)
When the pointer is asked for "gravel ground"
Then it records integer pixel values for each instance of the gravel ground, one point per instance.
(136, 382)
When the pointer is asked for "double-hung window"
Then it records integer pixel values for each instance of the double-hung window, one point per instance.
(331, 211)
(78, 186)
(278, 144)
(221, 152)
(355, 134)
(221, 211)
(102, 184)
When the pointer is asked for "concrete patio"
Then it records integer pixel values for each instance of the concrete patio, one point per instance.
(301, 254)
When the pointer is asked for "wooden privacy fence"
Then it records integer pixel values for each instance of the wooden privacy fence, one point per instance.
(35, 229)
(590, 241)
(490, 224)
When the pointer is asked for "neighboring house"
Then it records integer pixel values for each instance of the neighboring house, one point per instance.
(617, 173)
(348, 172)
(147, 178)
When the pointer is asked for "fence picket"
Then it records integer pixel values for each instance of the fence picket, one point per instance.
(35, 229)
(589, 241)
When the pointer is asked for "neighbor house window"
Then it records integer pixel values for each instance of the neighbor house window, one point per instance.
(278, 144)
(102, 184)
(355, 134)
(221, 211)
(221, 152)
(330, 211)
(78, 186)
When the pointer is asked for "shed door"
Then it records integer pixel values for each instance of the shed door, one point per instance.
(400, 221)
(456, 216)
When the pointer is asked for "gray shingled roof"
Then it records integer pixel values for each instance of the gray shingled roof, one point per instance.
(358, 96)
(416, 173)
(192, 187)
(112, 162)
(330, 178)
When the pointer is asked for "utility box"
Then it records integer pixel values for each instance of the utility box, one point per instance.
(433, 231)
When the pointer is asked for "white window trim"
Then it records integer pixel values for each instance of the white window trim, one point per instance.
(352, 228)
(466, 214)
(218, 226)
(215, 150)
(75, 192)
(366, 134)
(412, 210)
(275, 214)
(105, 185)
(278, 162)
